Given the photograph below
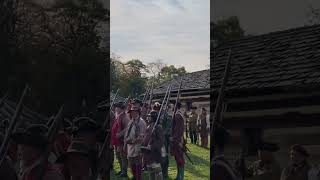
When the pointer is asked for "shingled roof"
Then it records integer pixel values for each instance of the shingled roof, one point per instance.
(289, 58)
(190, 81)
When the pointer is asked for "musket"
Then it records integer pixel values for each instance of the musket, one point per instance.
(4, 98)
(165, 100)
(145, 96)
(218, 108)
(177, 100)
(166, 97)
(52, 131)
(151, 96)
(174, 115)
(110, 110)
(13, 122)
(100, 157)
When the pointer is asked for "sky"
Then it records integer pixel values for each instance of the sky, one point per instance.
(175, 31)
(263, 16)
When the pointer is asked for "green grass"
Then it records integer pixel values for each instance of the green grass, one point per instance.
(200, 169)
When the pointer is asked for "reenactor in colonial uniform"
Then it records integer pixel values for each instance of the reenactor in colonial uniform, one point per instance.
(192, 119)
(152, 144)
(266, 167)
(117, 137)
(204, 124)
(88, 130)
(7, 170)
(32, 144)
(220, 167)
(77, 161)
(144, 111)
(137, 103)
(300, 166)
(133, 140)
(166, 123)
(177, 143)
(61, 141)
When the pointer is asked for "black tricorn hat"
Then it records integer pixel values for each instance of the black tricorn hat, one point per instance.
(138, 101)
(85, 124)
(35, 135)
(119, 105)
(153, 115)
(267, 146)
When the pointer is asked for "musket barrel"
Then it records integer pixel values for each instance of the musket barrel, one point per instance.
(13, 122)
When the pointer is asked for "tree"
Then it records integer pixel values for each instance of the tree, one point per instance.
(313, 15)
(226, 29)
(57, 51)
(168, 72)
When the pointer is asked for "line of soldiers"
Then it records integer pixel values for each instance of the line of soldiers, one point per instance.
(143, 143)
(265, 168)
(73, 152)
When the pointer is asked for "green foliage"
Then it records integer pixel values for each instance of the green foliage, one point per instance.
(169, 71)
(226, 29)
(130, 77)
(57, 51)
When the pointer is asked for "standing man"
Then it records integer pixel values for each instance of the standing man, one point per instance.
(32, 144)
(117, 136)
(133, 140)
(300, 166)
(152, 143)
(204, 125)
(77, 161)
(166, 123)
(193, 117)
(177, 142)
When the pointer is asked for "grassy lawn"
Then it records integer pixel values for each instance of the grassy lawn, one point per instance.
(199, 170)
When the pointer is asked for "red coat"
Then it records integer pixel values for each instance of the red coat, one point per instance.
(53, 172)
(176, 146)
(115, 127)
(118, 127)
(61, 143)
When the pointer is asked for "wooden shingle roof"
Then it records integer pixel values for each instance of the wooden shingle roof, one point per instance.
(288, 58)
(194, 80)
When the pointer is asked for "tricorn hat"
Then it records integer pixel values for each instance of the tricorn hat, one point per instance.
(85, 124)
(137, 101)
(119, 105)
(153, 115)
(35, 135)
(135, 108)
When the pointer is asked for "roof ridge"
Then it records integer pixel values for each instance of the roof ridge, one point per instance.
(250, 37)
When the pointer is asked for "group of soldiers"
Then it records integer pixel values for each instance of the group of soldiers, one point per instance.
(266, 167)
(71, 155)
(198, 126)
(144, 135)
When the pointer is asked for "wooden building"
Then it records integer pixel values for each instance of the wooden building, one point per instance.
(273, 88)
(195, 89)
